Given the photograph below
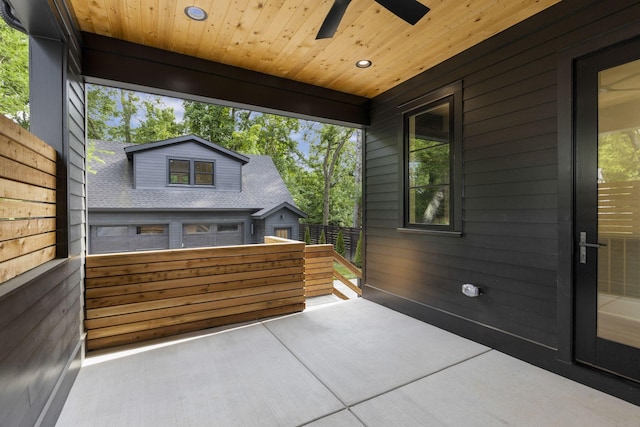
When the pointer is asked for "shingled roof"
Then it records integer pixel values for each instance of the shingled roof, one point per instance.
(111, 187)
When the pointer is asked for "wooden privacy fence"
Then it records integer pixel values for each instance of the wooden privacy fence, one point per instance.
(619, 229)
(350, 236)
(138, 296)
(619, 209)
(318, 273)
(27, 200)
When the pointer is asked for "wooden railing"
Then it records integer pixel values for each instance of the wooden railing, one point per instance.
(320, 270)
(133, 297)
(619, 209)
(619, 229)
(27, 200)
(353, 269)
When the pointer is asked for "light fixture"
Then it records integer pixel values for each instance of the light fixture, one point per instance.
(195, 13)
(363, 63)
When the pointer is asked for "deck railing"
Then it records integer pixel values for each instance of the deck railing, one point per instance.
(137, 296)
(619, 229)
(339, 259)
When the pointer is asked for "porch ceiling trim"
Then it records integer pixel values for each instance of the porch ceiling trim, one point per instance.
(133, 66)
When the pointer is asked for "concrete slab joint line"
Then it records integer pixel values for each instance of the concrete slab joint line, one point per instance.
(317, 369)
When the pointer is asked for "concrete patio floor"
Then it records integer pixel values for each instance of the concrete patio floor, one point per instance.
(346, 364)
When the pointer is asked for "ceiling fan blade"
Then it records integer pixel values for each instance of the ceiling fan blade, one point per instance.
(409, 10)
(331, 22)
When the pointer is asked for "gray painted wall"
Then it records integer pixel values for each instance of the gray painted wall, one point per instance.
(282, 218)
(150, 167)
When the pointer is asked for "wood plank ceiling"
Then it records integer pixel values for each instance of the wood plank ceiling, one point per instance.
(277, 37)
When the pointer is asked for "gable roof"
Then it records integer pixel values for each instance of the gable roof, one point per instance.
(130, 150)
(262, 214)
(111, 187)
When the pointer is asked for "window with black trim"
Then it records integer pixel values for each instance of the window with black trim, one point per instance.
(191, 172)
(433, 152)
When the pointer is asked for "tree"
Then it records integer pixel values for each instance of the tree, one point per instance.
(619, 155)
(14, 74)
(159, 124)
(211, 122)
(340, 243)
(307, 236)
(357, 259)
(332, 158)
(128, 108)
(270, 135)
(101, 108)
(323, 238)
(93, 157)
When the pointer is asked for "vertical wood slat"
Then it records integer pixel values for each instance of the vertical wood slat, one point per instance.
(27, 200)
(134, 297)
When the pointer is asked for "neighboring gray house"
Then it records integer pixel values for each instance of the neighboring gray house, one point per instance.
(184, 192)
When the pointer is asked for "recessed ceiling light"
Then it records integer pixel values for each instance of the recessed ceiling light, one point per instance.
(195, 13)
(363, 63)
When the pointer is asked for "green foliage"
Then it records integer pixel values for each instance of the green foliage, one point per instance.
(323, 238)
(340, 244)
(357, 259)
(429, 178)
(211, 122)
(160, 123)
(14, 74)
(127, 116)
(329, 175)
(619, 155)
(307, 236)
(93, 157)
(101, 107)
(270, 135)
(127, 109)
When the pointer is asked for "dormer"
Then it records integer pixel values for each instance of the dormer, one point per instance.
(186, 162)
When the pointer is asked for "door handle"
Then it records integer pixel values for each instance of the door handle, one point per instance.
(583, 241)
(584, 245)
(591, 245)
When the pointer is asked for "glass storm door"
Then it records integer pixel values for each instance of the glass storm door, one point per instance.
(607, 219)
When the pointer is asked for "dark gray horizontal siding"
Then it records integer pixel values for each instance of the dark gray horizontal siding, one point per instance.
(39, 327)
(521, 303)
(509, 245)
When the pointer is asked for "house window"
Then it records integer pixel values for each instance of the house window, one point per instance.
(283, 233)
(112, 230)
(204, 173)
(197, 228)
(191, 172)
(433, 163)
(228, 228)
(151, 229)
(179, 171)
